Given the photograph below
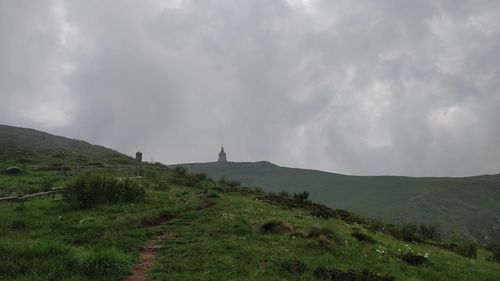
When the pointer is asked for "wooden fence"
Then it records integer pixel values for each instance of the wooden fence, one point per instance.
(19, 198)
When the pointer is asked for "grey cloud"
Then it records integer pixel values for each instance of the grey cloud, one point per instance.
(363, 87)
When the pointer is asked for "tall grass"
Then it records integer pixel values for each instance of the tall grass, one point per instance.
(100, 263)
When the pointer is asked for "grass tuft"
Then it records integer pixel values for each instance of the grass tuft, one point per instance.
(104, 262)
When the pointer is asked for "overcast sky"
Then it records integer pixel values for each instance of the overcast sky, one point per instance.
(358, 87)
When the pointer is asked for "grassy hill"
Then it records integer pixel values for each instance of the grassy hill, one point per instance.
(21, 146)
(463, 207)
(190, 228)
(46, 159)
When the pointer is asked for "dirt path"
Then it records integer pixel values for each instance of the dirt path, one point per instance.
(147, 260)
(147, 254)
(147, 257)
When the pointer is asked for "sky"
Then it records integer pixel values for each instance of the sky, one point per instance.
(398, 87)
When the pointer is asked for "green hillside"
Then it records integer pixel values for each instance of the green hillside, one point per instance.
(188, 227)
(21, 146)
(460, 206)
(45, 159)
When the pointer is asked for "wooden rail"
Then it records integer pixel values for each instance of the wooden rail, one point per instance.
(14, 198)
(130, 178)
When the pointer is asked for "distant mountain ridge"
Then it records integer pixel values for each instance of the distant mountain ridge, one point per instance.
(462, 206)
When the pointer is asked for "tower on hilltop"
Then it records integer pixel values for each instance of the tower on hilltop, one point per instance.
(222, 155)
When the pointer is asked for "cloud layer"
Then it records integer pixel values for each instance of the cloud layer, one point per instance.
(359, 87)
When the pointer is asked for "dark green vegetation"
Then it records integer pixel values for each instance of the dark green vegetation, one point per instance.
(88, 190)
(203, 230)
(464, 208)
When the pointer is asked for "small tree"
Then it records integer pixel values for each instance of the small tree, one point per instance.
(180, 171)
(301, 196)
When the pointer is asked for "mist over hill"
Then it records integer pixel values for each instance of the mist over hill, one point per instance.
(461, 206)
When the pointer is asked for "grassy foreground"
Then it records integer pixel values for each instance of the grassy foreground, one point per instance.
(214, 234)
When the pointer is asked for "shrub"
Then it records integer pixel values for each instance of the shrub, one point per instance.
(213, 195)
(104, 262)
(224, 182)
(293, 266)
(406, 232)
(258, 189)
(413, 259)
(301, 196)
(332, 274)
(284, 193)
(411, 232)
(201, 176)
(430, 232)
(276, 227)
(180, 171)
(86, 191)
(323, 212)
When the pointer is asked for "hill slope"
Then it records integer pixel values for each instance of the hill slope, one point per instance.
(461, 206)
(27, 146)
(189, 228)
(204, 232)
(47, 160)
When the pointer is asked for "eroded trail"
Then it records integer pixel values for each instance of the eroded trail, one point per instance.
(147, 260)
(147, 257)
(147, 253)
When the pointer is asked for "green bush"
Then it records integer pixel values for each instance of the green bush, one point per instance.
(430, 232)
(224, 182)
(86, 191)
(180, 171)
(201, 176)
(284, 193)
(411, 232)
(301, 196)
